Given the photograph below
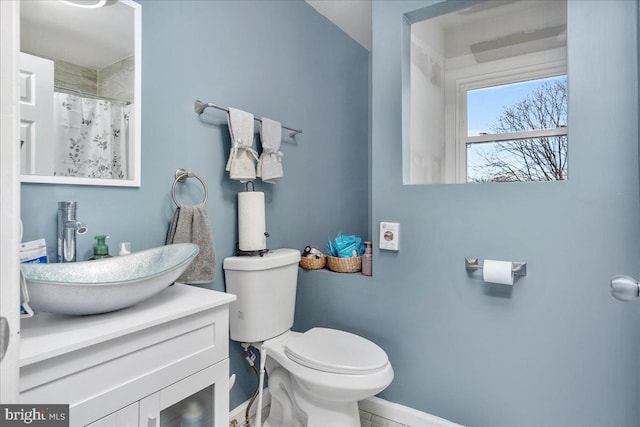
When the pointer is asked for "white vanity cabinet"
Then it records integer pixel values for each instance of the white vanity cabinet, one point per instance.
(140, 366)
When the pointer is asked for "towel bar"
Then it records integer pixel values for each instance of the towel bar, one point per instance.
(181, 176)
(200, 106)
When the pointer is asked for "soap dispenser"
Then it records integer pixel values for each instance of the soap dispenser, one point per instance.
(100, 250)
(367, 260)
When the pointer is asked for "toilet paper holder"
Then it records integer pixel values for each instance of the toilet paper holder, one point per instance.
(472, 264)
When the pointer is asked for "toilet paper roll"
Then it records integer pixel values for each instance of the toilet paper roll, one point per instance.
(497, 272)
(251, 221)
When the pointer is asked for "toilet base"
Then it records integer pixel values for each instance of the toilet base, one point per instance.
(293, 406)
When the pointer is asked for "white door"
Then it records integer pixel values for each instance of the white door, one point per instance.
(10, 196)
(36, 120)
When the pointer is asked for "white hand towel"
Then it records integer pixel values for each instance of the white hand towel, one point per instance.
(241, 164)
(270, 162)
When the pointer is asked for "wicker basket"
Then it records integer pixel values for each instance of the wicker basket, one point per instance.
(345, 265)
(313, 263)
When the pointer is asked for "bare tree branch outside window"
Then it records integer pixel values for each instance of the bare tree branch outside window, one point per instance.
(530, 159)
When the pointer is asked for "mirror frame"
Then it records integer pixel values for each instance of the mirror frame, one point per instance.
(135, 181)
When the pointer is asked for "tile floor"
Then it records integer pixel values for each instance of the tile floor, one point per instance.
(368, 419)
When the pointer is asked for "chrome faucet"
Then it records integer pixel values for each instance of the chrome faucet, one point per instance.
(68, 228)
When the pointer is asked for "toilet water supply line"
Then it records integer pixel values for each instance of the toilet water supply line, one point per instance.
(250, 357)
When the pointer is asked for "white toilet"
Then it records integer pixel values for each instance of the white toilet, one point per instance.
(316, 378)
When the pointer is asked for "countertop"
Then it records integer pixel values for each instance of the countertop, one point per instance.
(47, 335)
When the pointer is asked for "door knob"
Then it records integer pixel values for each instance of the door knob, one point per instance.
(625, 288)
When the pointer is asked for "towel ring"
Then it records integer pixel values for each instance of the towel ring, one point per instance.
(181, 176)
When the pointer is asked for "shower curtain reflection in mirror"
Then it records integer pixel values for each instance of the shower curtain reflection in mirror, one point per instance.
(91, 137)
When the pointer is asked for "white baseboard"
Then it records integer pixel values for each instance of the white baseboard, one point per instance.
(380, 407)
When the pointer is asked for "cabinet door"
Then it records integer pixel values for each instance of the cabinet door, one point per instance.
(125, 417)
(200, 400)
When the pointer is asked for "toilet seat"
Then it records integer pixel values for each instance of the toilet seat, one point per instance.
(334, 351)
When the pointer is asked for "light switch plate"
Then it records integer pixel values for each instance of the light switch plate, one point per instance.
(390, 236)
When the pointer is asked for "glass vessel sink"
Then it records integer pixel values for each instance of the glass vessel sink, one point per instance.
(100, 286)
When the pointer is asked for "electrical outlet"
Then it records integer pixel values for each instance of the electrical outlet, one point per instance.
(390, 236)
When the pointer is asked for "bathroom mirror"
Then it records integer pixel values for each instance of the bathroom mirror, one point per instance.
(80, 92)
(485, 92)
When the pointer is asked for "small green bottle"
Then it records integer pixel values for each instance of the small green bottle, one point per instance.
(100, 250)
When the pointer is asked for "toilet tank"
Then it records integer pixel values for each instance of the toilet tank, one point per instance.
(265, 287)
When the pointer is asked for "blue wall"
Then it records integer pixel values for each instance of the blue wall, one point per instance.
(556, 349)
(278, 59)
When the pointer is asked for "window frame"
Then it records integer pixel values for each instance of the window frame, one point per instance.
(458, 82)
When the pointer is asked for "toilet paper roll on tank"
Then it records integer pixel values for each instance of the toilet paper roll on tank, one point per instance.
(251, 221)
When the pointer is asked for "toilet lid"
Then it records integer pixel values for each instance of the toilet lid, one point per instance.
(334, 351)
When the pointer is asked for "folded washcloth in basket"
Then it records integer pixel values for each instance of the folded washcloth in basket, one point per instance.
(270, 162)
(345, 246)
(241, 164)
(190, 224)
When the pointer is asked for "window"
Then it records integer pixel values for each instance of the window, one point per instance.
(485, 92)
(516, 131)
